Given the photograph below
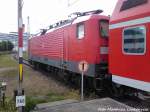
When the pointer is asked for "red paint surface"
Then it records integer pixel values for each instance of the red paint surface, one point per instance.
(62, 43)
(129, 66)
(129, 14)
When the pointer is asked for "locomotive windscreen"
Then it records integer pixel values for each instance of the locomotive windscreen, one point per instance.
(132, 3)
(104, 28)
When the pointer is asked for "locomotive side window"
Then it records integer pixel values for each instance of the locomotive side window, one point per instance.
(80, 31)
(134, 40)
(104, 28)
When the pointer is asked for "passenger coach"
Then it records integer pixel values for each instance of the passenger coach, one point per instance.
(129, 44)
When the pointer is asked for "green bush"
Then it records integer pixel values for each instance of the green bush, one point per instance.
(31, 103)
(6, 46)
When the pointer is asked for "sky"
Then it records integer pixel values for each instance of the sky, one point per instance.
(42, 13)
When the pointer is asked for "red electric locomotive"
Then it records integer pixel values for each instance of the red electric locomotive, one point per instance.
(68, 42)
(129, 44)
(86, 36)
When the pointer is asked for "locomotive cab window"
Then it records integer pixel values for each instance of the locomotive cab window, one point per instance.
(134, 40)
(80, 31)
(104, 28)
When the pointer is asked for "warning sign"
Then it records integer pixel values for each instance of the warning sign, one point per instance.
(83, 66)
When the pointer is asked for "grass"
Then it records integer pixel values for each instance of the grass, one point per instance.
(32, 101)
(54, 97)
(38, 88)
(5, 52)
(72, 94)
(6, 61)
(8, 107)
(9, 73)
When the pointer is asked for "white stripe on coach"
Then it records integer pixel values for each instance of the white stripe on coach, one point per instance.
(129, 23)
(145, 86)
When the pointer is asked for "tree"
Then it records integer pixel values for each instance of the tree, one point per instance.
(10, 45)
(6, 46)
(0, 46)
(3, 46)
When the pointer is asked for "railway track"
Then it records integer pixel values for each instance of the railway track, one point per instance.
(25, 62)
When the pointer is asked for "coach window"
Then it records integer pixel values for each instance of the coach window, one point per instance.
(80, 31)
(104, 28)
(134, 40)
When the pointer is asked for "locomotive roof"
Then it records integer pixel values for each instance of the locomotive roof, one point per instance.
(88, 17)
(127, 9)
(77, 20)
(80, 17)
